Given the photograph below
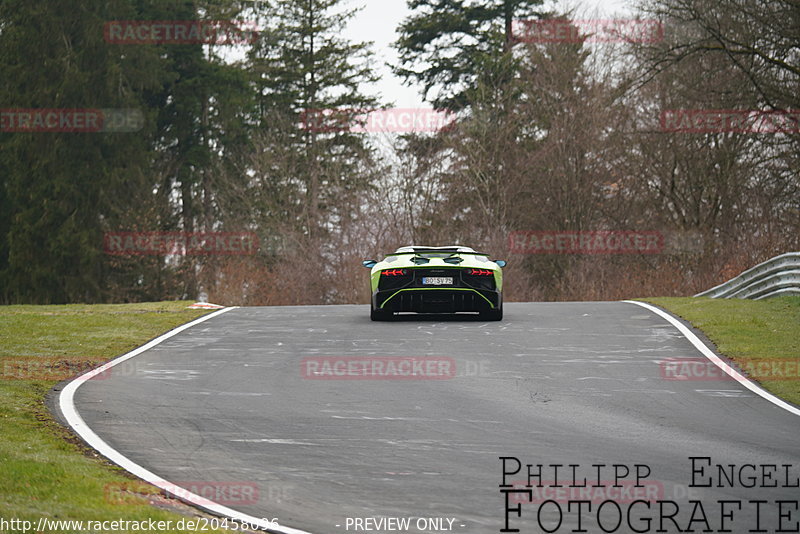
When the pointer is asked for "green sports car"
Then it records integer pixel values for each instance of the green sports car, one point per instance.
(450, 279)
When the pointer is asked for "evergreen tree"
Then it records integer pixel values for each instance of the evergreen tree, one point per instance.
(452, 46)
(202, 121)
(59, 186)
(306, 71)
(63, 190)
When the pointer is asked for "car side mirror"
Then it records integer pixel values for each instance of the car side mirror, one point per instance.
(369, 264)
(501, 263)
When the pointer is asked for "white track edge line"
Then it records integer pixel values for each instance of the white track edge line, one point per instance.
(76, 422)
(708, 353)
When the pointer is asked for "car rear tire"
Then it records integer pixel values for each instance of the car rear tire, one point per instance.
(379, 315)
(495, 314)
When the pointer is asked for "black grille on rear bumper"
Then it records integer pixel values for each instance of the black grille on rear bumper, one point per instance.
(438, 301)
(478, 281)
(394, 282)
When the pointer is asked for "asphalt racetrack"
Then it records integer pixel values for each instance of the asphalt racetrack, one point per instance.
(252, 398)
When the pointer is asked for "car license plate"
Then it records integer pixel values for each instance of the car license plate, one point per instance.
(437, 281)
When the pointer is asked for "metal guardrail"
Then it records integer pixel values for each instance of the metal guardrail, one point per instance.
(778, 276)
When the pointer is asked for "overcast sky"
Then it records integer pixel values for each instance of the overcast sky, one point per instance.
(378, 20)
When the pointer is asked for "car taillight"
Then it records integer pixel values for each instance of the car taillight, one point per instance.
(480, 272)
(394, 272)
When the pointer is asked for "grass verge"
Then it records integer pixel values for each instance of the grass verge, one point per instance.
(45, 472)
(761, 336)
